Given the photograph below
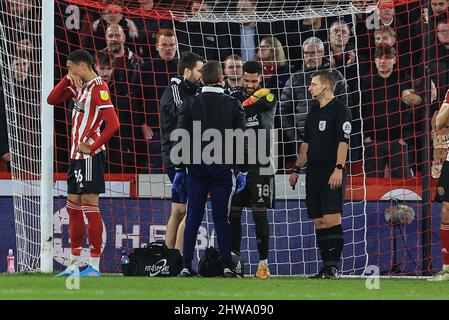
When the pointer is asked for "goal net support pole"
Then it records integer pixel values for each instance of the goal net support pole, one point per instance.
(46, 205)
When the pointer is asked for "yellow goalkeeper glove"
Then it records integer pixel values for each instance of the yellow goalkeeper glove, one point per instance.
(257, 95)
(261, 93)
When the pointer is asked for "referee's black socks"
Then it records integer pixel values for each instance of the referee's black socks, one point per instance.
(235, 221)
(330, 242)
(262, 233)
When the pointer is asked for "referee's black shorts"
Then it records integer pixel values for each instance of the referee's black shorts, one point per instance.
(443, 184)
(320, 199)
(86, 176)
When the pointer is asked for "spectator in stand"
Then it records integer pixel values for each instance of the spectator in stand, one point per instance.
(361, 30)
(313, 27)
(157, 74)
(245, 37)
(200, 6)
(384, 36)
(146, 5)
(438, 13)
(300, 30)
(166, 44)
(5, 156)
(343, 58)
(26, 104)
(127, 70)
(233, 71)
(22, 15)
(121, 157)
(341, 50)
(389, 18)
(275, 74)
(439, 67)
(148, 29)
(386, 119)
(387, 36)
(209, 40)
(296, 101)
(274, 65)
(24, 47)
(112, 14)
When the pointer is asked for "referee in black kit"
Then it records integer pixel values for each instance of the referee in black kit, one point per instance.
(324, 148)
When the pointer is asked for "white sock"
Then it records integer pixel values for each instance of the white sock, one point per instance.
(263, 262)
(73, 262)
(95, 263)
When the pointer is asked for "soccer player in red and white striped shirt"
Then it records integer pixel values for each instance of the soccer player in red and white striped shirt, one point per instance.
(85, 180)
(442, 195)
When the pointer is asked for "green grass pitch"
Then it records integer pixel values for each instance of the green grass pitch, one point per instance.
(280, 288)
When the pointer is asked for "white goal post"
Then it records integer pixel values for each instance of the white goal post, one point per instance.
(27, 64)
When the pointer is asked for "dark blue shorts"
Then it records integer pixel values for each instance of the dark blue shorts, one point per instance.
(176, 197)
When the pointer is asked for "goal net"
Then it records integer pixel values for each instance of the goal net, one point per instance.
(375, 49)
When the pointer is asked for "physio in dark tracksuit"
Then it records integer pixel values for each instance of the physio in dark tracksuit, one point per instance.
(211, 109)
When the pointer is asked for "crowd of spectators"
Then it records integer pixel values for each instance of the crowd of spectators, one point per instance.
(378, 61)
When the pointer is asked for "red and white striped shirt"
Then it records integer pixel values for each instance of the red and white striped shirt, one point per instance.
(90, 98)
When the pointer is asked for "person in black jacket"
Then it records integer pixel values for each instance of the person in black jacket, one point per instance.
(183, 86)
(121, 155)
(127, 79)
(209, 169)
(207, 39)
(387, 122)
(156, 76)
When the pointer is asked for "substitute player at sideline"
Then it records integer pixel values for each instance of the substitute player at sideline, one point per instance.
(259, 106)
(85, 179)
(326, 141)
(442, 195)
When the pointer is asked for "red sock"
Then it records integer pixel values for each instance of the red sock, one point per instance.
(444, 236)
(76, 227)
(94, 229)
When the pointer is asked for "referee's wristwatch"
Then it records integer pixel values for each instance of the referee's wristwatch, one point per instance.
(339, 166)
(296, 169)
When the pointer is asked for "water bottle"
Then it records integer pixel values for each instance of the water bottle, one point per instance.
(11, 262)
(124, 259)
(125, 263)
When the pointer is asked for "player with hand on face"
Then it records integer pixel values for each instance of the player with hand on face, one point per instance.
(85, 180)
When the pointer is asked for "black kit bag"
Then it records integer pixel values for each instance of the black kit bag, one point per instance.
(210, 264)
(154, 260)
